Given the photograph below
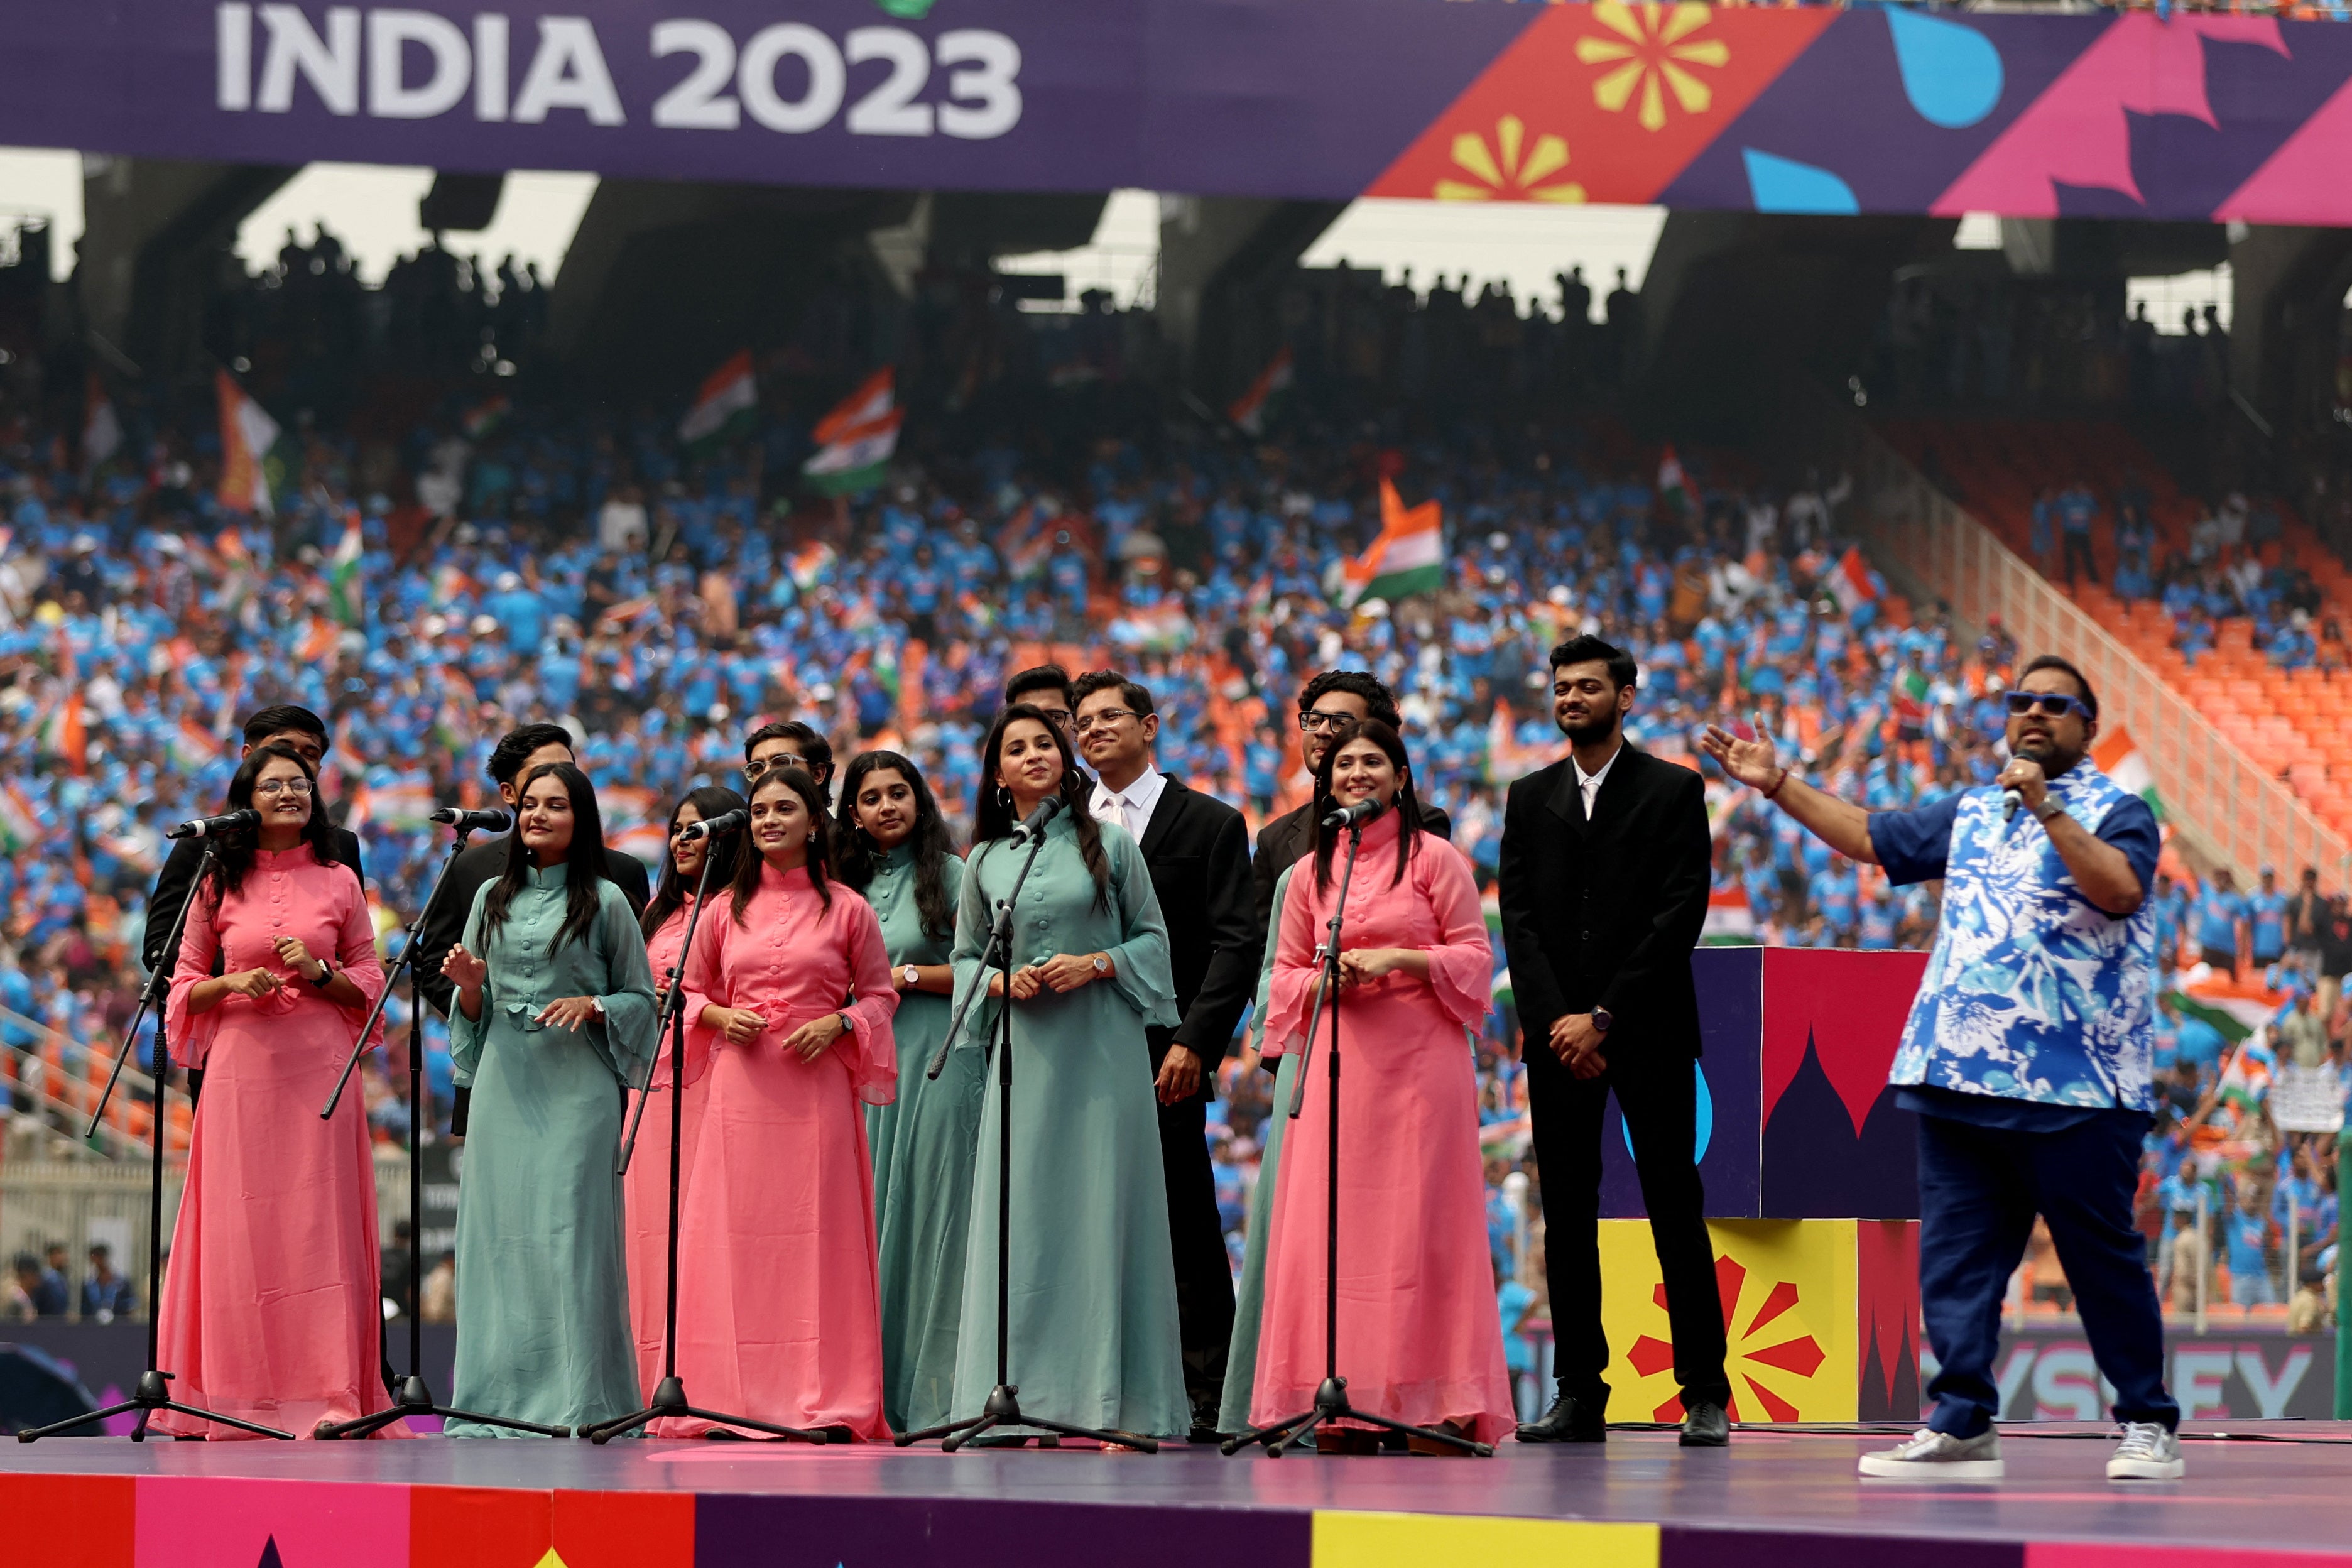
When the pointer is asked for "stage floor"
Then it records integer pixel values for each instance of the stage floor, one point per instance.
(1779, 1497)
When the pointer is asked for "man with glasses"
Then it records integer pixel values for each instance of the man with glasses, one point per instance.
(789, 744)
(1198, 851)
(1334, 696)
(2027, 1057)
(1048, 688)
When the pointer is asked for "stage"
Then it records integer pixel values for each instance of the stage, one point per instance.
(1776, 1498)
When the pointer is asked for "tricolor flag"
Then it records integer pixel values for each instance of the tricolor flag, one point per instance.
(811, 566)
(20, 825)
(855, 440)
(194, 747)
(344, 571)
(1729, 917)
(1851, 583)
(247, 433)
(484, 417)
(1249, 410)
(1409, 556)
(318, 640)
(66, 734)
(2118, 756)
(729, 396)
(101, 429)
(1674, 490)
(1162, 627)
(402, 801)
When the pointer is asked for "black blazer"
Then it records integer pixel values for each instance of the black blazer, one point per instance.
(487, 862)
(1197, 848)
(1606, 914)
(178, 875)
(1290, 837)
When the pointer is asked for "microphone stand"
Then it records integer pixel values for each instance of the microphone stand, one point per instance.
(669, 1394)
(153, 1393)
(415, 1397)
(1003, 1407)
(1332, 1396)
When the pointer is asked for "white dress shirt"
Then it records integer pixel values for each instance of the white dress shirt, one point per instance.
(1131, 808)
(1590, 784)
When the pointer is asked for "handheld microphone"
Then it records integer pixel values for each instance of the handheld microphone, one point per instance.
(1034, 828)
(716, 827)
(472, 821)
(208, 826)
(2009, 801)
(1354, 815)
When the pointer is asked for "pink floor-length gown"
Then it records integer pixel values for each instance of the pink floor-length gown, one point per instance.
(273, 1296)
(1420, 1340)
(779, 1297)
(647, 1189)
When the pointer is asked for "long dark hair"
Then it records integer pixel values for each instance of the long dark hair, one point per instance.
(929, 839)
(710, 801)
(582, 896)
(1408, 805)
(992, 817)
(234, 855)
(748, 868)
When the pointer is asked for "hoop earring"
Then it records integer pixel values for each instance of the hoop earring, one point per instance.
(1004, 797)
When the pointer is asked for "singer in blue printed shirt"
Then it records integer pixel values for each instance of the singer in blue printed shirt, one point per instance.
(2027, 1057)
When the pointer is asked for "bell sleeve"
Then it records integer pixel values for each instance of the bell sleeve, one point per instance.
(467, 1035)
(702, 975)
(191, 1034)
(623, 1035)
(964, 956)
(1462, 960)
(1290, 993)
(355, 954)
(1141, 972)
(873, 1058)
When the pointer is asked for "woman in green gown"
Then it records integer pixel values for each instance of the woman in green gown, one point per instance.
(894, 850)
(1092, 1332)
(1249, 1304)
(552, 1015)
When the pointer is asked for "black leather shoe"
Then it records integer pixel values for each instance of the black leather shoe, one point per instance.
(1573, 1418)
(1705, 1426)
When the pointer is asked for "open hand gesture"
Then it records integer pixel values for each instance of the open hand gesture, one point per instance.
(463, 970)
(1753, 763)
(567, 1013)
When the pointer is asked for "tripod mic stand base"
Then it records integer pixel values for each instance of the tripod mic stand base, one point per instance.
(1003, 1409)
(670, 1400)
(150, 1397)
(415, 1399)
(1331, 1404)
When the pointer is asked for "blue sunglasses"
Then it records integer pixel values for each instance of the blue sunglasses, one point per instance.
(2051, 704)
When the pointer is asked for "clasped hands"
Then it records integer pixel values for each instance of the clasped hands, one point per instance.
(259, 982)
(1063, 973)
(741, 1027)
(1577, 1045)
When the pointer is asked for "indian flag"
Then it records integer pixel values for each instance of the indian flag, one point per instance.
(484, 417)
(1851, 583)
(811, 566)
(1249, 410)
(247, 433)
(20, 825)
(2118, 756)
(1409, 557)
(855, 440)
(1674, 489)
(318, 640)
(1162, 627)
(194, 747)
(66, 734)
(402, 801)
(730, 395)
(344, 571)
(1729, 917)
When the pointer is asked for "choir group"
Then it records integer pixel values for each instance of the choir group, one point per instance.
(838, 1255)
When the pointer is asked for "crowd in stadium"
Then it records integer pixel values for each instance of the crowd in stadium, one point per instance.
(535, 556)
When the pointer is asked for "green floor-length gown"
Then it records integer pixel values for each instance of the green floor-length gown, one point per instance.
(1093, 1339)
(1249, 1301)
(922, 1143)
(543, 1293)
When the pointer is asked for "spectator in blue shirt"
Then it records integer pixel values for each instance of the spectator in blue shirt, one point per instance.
(2076, 512)
(106, 1295)
(2247, 1232)
(2266, 919)
(2219, 914)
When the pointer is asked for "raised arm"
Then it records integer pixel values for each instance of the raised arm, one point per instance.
(1841, 825)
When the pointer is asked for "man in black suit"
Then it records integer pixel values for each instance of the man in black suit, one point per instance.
(299, 730)
(518, 751)
(1604, 878)
(1198, 851)
(1331, 697)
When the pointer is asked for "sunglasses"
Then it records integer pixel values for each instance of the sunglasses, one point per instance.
(2049, 704)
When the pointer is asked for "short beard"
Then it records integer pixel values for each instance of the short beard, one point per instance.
(1591, 733)
(2053, 759)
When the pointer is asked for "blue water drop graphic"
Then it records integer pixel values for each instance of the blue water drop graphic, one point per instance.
(1951, 73)
(1779, 185)
(1705, 1118)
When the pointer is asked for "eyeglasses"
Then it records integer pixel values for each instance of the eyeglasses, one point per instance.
(2049, 704)
(1102, 716)
(1315, 718)
(271, 788)
(1059, 717)
(754, 769)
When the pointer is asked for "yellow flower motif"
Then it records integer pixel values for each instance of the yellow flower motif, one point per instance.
(1501, 173)
(1650, 55)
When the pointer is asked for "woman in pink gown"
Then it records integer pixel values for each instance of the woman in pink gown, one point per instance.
(1420, 1340)
(272, 1302)
(646, 1188)
(789, 985)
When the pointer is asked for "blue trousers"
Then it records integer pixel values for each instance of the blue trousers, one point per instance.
(1980, 1188)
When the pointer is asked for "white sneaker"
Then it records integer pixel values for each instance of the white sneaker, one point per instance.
(2149, 1452)
(1932, 1456)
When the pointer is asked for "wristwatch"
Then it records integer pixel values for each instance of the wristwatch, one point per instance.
(1602, 1018)
(846, 1027)
(911, 975)
(2050, 808)
(326, 975)
(1102, 964)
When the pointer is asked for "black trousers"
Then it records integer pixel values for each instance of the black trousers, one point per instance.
(1205, 1275)
(1659, 1102)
